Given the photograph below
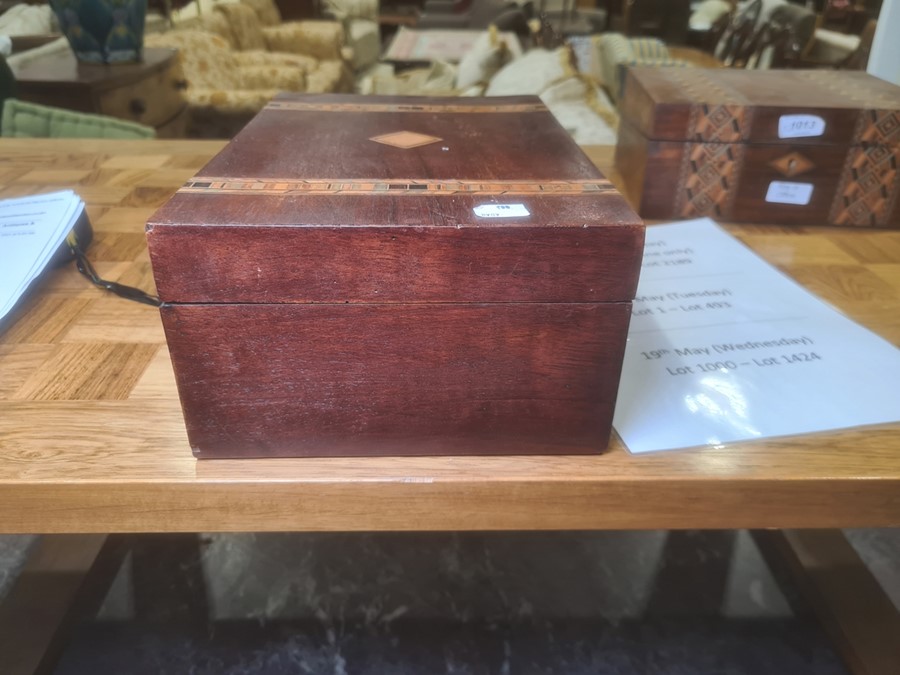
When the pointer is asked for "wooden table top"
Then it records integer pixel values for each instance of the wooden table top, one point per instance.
(92, 438)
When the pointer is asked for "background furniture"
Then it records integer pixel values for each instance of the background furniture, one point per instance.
(149, 93)
(22, 43)
(783, 40)
(411, 46)
(256, 25)
(298, 9)
(32, 120)
(239, 55)
(226, 88)
(665, 19)
(362, 29)
(104, 448)
(616, 52)
(505, 14)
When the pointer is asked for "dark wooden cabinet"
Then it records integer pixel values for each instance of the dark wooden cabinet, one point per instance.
(150, 92)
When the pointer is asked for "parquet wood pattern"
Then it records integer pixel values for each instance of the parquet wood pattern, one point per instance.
(92, 438)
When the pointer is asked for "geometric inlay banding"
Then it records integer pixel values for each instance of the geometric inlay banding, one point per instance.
(406, 107)
(711, 167)
(870, 181)
(708, 179)
(719, 123)
(869, 187)
(391, 187)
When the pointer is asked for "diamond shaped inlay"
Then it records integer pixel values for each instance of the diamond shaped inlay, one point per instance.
(792, 164)
(405, 139)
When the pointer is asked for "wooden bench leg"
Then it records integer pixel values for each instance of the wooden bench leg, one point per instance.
(854, 610)
(66, 577)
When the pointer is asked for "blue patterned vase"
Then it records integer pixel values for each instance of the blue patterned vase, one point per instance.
(103, 31)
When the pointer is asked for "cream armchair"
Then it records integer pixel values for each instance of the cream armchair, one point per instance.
(319, 43)
(322, 39)
(226, 88)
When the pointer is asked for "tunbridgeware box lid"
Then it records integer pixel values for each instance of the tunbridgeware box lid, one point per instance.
(352, 199)
(751, 106)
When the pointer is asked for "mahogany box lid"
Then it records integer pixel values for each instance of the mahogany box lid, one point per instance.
(335, 198)
(776, 106)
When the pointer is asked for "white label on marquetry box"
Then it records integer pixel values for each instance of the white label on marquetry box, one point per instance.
(800, 126)
(782, 192)
(501, 211)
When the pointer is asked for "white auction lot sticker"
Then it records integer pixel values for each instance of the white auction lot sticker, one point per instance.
(783, 192)
(501, 211)
(800, 126)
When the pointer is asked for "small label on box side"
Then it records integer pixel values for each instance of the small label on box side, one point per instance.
(800, 126)
(782, 192)
(501, 211)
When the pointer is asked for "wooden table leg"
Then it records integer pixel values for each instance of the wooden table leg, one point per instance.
(858, 616)
(65, 578)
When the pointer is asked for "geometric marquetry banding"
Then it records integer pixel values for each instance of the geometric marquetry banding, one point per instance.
(711, 163)
(870, 181)
(391, 187)
(878, 127)
(699, 85)
(708, 180)
(406, 107)
(853, 91)
(719, 123)
(869, 187)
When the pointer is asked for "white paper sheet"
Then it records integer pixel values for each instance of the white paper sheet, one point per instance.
(723, 347)
(31, 230)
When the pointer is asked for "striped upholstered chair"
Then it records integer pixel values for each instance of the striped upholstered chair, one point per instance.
(614, 52)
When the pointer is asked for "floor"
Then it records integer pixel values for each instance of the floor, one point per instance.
(496, 603)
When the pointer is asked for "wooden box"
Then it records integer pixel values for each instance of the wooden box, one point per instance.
(397, 276)
(794, 147)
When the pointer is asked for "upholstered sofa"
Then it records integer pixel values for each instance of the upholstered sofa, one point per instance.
(226, 88)
(234, 62)
(254, 26)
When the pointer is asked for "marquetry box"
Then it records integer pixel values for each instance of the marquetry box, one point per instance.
(793, 147)
(397, 276)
